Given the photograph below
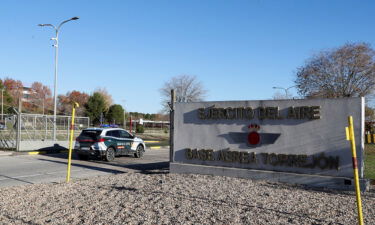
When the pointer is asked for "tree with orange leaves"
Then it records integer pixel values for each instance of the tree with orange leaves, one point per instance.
(14, 88)
(41, 97)
(66, 101)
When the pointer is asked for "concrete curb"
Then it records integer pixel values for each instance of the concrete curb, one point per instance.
(5, 153)
(318, 181)
(152, 141)
(13, 153)
(46, 152)
(157, 147)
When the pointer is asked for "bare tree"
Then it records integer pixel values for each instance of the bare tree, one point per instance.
(279, 96)
(369, 113)
(187, 89)
(41, 96)
(347, 71)
(108, 101)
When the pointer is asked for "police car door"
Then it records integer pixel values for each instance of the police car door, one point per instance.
(128, 139)
(120, 144)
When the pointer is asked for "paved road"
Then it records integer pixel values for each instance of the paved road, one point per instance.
(31, 169)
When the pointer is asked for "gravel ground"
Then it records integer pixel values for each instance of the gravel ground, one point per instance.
(162, 198)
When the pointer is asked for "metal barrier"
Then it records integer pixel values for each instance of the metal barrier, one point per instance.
(370, 138)
(37, 127)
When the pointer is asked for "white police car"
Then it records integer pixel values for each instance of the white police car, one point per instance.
(108, 143)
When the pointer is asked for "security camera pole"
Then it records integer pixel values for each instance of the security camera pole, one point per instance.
(56, 45)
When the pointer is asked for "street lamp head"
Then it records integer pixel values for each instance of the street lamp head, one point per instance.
(65, 21)
(57, 28)
(45, 24)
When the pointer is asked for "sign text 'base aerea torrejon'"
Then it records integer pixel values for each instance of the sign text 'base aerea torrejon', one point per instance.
(320, 161)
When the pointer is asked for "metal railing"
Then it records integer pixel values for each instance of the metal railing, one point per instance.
(37, 127)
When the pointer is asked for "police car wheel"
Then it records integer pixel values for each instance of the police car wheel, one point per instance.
(110, 154)
(139, 152)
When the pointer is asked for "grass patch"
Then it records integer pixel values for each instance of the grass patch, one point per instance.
(160, 143)
(162, 139)
(370, 161)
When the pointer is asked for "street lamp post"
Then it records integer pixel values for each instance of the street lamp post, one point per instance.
(124, 120)
(124, 124)
(285, 89)
(56, 45)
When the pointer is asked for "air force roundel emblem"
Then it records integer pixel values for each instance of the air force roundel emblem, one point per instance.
(252, 138)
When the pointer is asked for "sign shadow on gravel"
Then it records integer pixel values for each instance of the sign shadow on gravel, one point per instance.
(106, 170)
(144, 168)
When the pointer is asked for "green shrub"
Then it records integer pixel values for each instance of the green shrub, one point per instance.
(140, 129)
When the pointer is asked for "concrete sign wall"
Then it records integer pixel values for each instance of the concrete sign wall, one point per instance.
(300, 136)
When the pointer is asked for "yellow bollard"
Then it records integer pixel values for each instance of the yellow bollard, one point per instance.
(75, 104)
(368, 138)
(350, 137)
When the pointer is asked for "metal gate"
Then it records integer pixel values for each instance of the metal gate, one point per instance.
(37, 127)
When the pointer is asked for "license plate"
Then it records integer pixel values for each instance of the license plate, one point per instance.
(85, 148)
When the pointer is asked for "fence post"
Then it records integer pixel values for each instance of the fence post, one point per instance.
(45, 127)
(19, 119)
(68, 126)
(34, 127)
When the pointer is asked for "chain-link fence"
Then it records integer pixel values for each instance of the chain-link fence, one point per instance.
(37, 127)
